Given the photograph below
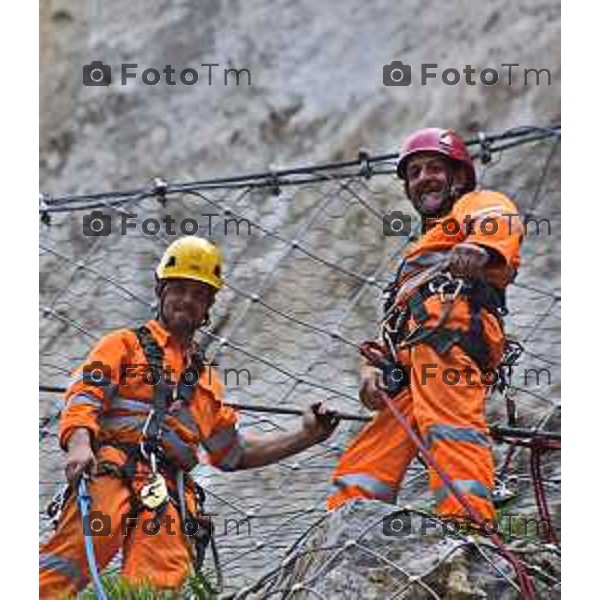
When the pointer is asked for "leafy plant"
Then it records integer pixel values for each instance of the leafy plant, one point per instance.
(196, 587)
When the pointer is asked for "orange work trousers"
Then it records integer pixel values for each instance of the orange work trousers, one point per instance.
(160, 555)
(445, 405)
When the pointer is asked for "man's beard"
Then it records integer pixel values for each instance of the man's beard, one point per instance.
(183, 327)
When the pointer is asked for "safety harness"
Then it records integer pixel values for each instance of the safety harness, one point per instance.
(479, 294)
(151, 450)
(156, 494)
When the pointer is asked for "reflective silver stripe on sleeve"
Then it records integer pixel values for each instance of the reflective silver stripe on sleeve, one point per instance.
(115, 423)
(498, 209)
(70, 569)
(83, 399)
(120, 403)
(418, 279)
(452, 433)
(378, 489)
(464, 486)
(109, 390)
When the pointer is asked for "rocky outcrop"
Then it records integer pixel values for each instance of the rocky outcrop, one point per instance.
(348, 555)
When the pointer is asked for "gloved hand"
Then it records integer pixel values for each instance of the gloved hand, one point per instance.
(468, 260)
(319, 422)
(80, 457)
(371, 388)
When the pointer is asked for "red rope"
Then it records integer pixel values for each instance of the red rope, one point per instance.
(540, 494)
(525, 582)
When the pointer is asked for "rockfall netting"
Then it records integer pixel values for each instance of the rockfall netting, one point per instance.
(306, 263)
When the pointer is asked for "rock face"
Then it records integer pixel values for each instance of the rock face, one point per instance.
(316, 256)
(348, 555)
(316, 91)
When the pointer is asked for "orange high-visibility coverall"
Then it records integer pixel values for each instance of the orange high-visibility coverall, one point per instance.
(447, 411)
(115, 413)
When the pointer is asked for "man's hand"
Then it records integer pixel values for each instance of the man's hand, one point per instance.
(372, 388)
(319, 422)
(80, 456)
(468, 260)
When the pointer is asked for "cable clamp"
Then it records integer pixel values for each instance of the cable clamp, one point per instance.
(44, 214)
(159, 189)
(486, 148)
(365, 168)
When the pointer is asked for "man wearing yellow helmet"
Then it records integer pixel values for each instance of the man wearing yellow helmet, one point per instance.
(133, 420)
(187, 280)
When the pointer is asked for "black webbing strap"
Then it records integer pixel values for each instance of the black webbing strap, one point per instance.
(154, 357)
(472, 342)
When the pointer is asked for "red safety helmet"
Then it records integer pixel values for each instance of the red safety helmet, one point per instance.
(442, 141)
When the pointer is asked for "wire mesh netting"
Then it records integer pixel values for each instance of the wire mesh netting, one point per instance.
(306, 263)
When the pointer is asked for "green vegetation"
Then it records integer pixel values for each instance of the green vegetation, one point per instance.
(116, 587)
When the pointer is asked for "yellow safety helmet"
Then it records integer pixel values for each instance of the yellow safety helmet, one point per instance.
(193, 258)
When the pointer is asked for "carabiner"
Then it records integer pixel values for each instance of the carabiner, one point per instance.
(452, 297)
(144, 437)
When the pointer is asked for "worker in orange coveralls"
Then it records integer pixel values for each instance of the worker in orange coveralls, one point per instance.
(138, 438)
(443, 326)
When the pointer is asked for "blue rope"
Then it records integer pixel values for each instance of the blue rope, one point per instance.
(84, 500)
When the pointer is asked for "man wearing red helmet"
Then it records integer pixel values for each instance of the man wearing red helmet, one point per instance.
(441, 336)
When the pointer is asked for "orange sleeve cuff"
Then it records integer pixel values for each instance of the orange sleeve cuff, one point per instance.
(493, 223)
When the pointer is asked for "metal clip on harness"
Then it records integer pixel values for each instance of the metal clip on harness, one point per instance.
(436, 286)
(147, 454)
(441, 287)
